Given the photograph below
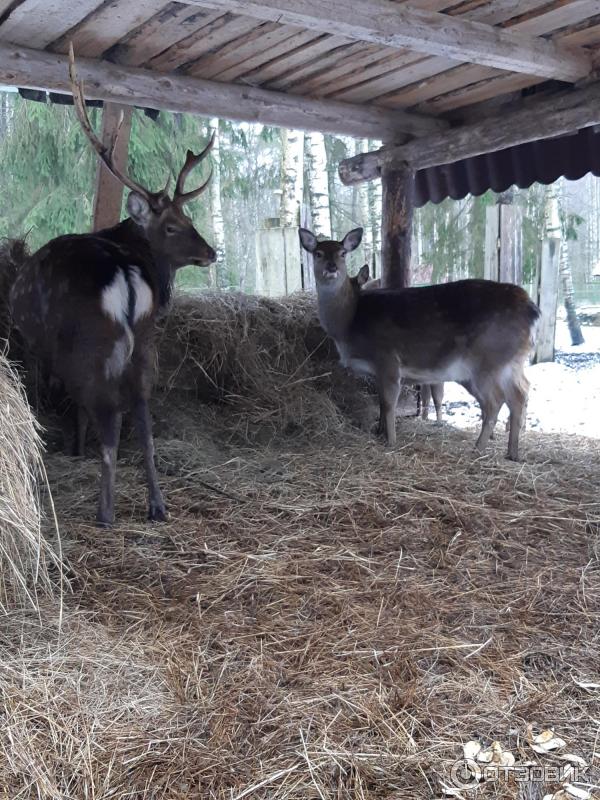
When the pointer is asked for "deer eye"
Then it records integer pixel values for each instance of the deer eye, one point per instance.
(171, 229)
(318, 254)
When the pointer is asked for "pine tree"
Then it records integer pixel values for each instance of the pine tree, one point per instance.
(216, 208)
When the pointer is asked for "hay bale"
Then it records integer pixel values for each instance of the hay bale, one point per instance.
(268, 360)
(25, 556)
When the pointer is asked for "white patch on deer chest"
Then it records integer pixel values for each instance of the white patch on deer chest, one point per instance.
(143, 299)
(115, 298)
(360, 365)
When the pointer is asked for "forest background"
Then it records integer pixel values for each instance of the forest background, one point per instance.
(262, 173)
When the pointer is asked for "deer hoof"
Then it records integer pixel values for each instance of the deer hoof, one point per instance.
(104, 522)
(157, 512)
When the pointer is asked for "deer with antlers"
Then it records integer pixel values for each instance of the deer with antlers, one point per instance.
(86, 305)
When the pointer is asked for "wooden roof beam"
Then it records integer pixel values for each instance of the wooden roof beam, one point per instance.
(388, 23)
(37, 69)
(541, 118)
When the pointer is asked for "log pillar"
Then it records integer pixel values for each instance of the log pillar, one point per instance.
(108, 196)
(398, 190)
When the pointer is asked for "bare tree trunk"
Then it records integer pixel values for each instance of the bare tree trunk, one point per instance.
(318, 184)
(351, 150)
(374, 201)
(566, 278)
(216, 208)
(362, 145)
(552, 214)
(292, 176)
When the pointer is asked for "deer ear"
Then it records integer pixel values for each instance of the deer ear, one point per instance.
(308, 240)
(139, 209)
(352, 240)
(363, 274)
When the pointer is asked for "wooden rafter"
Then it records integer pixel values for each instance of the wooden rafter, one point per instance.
(387, 23)
(37, 69)
(539, 119)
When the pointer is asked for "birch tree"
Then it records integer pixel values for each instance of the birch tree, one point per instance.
(216, 206)
(362, 146)
(374, 195)
(568, 223)
(318, 184)
(292, 144)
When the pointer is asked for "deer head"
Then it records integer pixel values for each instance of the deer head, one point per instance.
(329, 257)
(362, 277)
(162, 220)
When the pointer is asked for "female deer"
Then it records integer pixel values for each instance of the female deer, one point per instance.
(477, 333)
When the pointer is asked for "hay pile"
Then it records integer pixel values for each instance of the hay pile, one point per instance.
(25, 555)
(267, 363)
(320, 618)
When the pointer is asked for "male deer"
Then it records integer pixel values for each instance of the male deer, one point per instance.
(427, 391)
(86, 305)
(478, 333)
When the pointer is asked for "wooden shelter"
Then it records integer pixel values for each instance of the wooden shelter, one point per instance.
(438, 81)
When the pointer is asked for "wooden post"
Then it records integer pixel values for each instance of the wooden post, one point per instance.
(398, 187)
(547, 298)
(108, 197)
(503, 244)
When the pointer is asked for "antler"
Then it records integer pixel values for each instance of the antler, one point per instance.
(105, 153)
(191, 161)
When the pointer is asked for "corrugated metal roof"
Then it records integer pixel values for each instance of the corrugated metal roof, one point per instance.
(542, 161)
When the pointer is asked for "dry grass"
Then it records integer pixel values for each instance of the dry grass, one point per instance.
(267, 362)
(321, 617)
(26, 557)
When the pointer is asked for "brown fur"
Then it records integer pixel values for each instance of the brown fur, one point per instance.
(426, 391)
(106, 361)
(478, 333)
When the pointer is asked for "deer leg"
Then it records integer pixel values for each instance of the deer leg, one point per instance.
(108, 421)
(516, 400)
(490, 406)
(419, 393)
(81, 426)
(425, 400)
(143, 423)
(437, 392)
(389, 390)
(381, 422)
(472, 390)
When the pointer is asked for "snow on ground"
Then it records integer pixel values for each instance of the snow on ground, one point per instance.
(564, 396)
